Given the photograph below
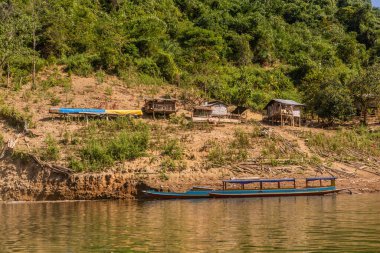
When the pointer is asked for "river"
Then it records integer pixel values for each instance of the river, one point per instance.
(343, 223)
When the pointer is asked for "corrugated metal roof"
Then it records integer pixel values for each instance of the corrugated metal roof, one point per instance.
(284, 101)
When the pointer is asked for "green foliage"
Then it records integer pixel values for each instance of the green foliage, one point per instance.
(242, 52)
(235, 151)
(13, 117)
(106, 142)
(51, 151)
(276, 147)
(355, 144)
(241, 140)
(173, 149)
(334, 103)
(80, 64)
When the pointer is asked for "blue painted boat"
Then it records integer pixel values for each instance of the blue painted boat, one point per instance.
(275, 192)
(194, 193)
(260, 191)
(81, 110)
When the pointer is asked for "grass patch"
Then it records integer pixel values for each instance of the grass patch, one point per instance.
(277, 148)
(51, 151)
(107, 142)
(235, 151)
(13, 117)
(350, 144)
(172, 149)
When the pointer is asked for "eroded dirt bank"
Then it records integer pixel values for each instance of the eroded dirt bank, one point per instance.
(27, 181)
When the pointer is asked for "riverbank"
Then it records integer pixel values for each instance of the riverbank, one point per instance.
(30, 182)
(117, 159)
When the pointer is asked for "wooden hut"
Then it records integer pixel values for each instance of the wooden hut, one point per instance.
(284, 112)
(214, 112)
(214, 108)
(162, 106)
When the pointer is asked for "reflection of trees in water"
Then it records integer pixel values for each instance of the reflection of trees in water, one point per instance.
(184, 226)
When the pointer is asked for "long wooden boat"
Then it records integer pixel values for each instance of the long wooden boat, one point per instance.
(275, 192)
(194, 193)
(260, 191)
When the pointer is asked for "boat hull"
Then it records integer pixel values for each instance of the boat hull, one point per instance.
(178, 195)
(273, 193)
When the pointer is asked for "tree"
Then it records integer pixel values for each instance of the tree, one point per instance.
(334, 102)
(365, 89)
(14, 34)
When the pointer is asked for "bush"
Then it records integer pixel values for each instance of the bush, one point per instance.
(173, 149)
(129, 140)
(80, 64)
(241, 140)
(128, 146)
(51, 152)
(95, 155)
(13, 117)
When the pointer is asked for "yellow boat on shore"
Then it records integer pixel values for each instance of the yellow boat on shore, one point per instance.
(125, 112)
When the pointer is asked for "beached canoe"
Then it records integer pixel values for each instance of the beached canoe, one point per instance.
(194, 193)
(240, 189)
(124, 112)
(273, 192)
(289, 190)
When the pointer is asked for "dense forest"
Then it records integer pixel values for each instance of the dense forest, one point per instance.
(322, 52)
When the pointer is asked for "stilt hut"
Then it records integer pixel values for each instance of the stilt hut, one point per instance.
(214, 112)
(162, 106)
(284, 112)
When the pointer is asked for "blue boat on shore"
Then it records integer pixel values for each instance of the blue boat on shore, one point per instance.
(193, 193)
(240, 190)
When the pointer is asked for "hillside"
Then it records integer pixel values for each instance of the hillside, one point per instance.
(118, 158)
(113, 54)
(242, 52)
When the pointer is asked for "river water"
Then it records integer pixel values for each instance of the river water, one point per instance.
(343, 223)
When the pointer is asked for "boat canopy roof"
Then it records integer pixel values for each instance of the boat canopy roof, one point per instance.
(319, 178)
(250, 181)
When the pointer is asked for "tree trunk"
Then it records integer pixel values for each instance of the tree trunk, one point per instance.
(8, 74)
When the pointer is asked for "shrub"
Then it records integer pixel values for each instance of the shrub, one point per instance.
(241, 140)
(51, 152)
(95, 155)
(80, 64)
(173, 149)
(103, 149)
(128, 146)
(100, 76)
(13, 117)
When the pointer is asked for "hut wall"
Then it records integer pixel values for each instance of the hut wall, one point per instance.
(297, 112)
(219, 110)
(201, 113)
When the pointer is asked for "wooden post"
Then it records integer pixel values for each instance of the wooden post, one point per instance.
(307, 184)
(320, 182)
(261, 185)
(333, 182)
(281, 115)
(278, 185)
(294, 184)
